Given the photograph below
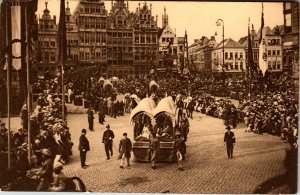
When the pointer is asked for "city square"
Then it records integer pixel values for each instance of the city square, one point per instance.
(124, 97)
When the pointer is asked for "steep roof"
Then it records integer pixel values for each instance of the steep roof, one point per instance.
(243, 40)
(160, 31)
(229, 43)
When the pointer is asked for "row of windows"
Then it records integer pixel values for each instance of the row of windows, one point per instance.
(48, 57)
(239, 55)
(88, 22)
(119, 41)
(92, 38)
(47, 26)
(167, 39)
(92, 56)
(47, 43)
(274, 65)
(234, 66)
(92, 10)
(273, 52)
(273, 41)
(117, 49)
(119, 34)
(145, 40)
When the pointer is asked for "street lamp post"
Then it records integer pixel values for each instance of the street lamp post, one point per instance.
(219, 24)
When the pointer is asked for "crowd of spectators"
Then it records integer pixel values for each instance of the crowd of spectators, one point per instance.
(49, 132)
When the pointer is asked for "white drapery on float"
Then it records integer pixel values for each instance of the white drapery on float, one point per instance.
(145, 106)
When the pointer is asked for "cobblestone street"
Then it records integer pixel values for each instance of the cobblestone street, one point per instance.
(257, 158)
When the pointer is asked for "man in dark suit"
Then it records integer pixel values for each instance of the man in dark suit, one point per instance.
(107, 139)
(91, 119)
(125, 148)
(84, 147)
(229, 140)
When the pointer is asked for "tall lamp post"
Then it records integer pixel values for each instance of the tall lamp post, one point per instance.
(219, 21)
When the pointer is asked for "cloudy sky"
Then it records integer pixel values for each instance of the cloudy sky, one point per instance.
(199, 18)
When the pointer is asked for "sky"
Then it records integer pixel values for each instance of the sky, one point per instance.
(199, 18)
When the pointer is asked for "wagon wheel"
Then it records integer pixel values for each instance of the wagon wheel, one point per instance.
(76, 185)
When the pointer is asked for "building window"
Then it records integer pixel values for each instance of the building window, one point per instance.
(236, 55)
(241, 66)
(278, 65)
(288, 6)
(274, 52)
(241, 55)
(278, 52)
(136, 39)
(288, 23)
(142, 39)
(236, 66)
(231, 55)
(269, 52)
(226, 55)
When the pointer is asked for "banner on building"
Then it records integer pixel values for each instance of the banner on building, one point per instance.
(16, 34)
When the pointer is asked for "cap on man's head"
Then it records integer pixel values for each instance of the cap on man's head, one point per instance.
(228, 127)
(83, 131)
(107, 126)
(124, 134)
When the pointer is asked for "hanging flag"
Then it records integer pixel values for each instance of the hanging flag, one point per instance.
(62, 41)
(250, 54)
(262, 24)
(16, 34)
(262, 47)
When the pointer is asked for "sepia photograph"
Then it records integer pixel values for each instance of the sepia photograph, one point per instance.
(179, 97)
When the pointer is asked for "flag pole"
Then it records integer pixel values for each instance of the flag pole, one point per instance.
(8, 61)
(28, 86)
(62, 52)
(249, 61)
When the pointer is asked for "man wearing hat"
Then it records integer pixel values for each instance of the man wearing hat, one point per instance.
(107, 140)
(229, 140)
(84, 147)
(125, 148)
(45, 174)
(91, 119)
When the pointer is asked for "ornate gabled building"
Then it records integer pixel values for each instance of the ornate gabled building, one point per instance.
(120, 41)
(145, 40)
(47, 42)
(254, 44)
(90, 17)
(72, 39)
(171, 48)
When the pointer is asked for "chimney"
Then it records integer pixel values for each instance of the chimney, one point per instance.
(212, 38)
(54, 18)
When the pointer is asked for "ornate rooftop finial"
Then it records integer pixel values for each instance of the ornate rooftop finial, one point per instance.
(67, 4)
(46, 4)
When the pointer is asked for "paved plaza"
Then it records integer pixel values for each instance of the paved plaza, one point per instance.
(257, 158)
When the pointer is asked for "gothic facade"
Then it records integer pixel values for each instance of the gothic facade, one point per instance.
(119, 43)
